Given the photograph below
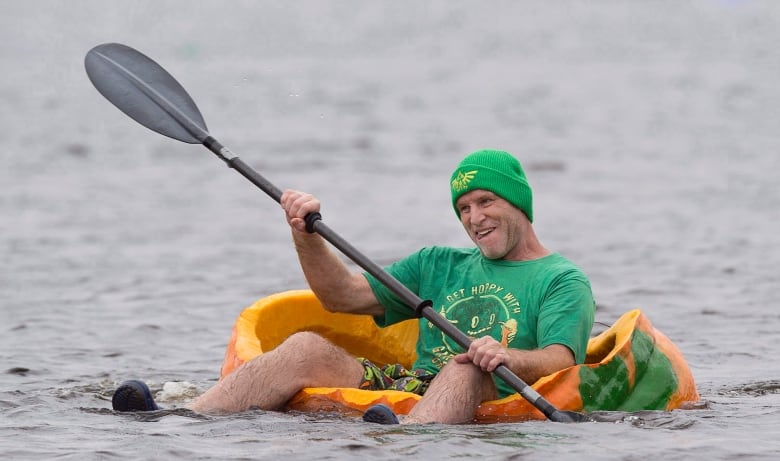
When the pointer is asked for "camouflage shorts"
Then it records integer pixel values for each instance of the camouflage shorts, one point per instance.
(394, 377)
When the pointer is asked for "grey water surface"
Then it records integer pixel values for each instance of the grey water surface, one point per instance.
(651, 136)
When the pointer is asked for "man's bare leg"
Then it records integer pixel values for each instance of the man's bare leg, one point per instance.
(453, 396)
(268, 381)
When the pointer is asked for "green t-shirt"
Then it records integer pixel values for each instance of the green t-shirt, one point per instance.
(523, 304)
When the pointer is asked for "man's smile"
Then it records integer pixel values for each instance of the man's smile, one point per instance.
(483, 233)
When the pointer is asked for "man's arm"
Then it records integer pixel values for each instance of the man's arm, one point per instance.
(337, 288)
(488, 354)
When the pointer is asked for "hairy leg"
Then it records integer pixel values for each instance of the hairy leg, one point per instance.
(454, 395)
(268, 381)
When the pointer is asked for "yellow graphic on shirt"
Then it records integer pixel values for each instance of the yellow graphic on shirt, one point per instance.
(508, 332)
(485, 310)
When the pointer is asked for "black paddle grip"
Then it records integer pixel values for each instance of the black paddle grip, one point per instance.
(310, 219)
(418, 311)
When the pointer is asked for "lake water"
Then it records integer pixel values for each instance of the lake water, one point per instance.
(651, 136)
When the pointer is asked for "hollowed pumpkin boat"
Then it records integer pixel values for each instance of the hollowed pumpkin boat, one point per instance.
(629, 367)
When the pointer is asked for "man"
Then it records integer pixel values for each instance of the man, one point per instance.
(526, 307)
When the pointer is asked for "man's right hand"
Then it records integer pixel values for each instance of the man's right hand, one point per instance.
(296, 206)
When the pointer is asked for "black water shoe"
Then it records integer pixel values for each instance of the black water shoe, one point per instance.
(133, 395)
(380, 414)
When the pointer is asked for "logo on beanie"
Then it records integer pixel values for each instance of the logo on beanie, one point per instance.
(462, 180)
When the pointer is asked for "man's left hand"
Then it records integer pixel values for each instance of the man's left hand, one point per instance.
(486, 353)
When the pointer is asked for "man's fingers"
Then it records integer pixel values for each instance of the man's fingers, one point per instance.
(487, 353)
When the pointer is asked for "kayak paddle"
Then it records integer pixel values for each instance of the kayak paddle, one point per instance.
(148, 94)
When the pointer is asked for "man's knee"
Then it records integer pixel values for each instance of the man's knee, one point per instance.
(468, 374)
(455, 371)
(309, 347)
(304, 340)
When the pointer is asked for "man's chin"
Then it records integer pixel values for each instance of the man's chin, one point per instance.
(488, 254)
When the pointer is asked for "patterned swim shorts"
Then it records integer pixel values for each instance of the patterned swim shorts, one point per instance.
(394, 377)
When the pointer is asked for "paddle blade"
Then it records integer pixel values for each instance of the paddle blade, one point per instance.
(145, 91)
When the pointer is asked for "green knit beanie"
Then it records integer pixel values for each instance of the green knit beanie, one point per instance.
(496, 171)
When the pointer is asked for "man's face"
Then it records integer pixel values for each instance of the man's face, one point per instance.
(492, 223)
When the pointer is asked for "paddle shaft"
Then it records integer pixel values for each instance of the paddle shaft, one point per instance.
(246, 171)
